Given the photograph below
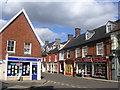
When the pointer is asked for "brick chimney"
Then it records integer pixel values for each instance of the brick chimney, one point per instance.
(77, 32)
(46, 42)
(70, 36)
(57, 41)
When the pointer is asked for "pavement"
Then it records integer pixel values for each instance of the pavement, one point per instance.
(22, 85)
(0, 85)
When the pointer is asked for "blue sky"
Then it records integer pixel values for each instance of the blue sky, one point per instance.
(58, 18)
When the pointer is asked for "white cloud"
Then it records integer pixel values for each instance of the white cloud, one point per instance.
(86, 14)
(47, 34)
(2, 23)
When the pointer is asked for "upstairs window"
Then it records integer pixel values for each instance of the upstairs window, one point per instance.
(77, 51)
(61, 55)
(89, 34)
(27, 48)
(100, 49)
(11, 46)
(68, 53)
(109, 26)
(84, 51)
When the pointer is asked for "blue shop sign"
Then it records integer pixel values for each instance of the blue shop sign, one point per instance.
(23, 59)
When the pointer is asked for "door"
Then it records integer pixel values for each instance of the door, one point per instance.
(34, 72)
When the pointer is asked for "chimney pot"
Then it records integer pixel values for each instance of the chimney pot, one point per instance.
(70, 36)
(77, 32)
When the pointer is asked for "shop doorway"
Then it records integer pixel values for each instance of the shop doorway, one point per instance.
(34, 72)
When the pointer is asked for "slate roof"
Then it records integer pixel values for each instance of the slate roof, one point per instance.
(100, 33)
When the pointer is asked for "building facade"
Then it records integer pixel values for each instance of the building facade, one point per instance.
(20, 49)
(89, 52)
(115, 51)
(50, 56)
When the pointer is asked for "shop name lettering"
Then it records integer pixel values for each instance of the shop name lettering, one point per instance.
(16, 64)
(21, 59)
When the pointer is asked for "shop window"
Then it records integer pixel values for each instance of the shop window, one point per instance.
(14, 68)
(100, 69)
(84, 51)
(69, 68)
(77, 52)
(100, 49)
(11, 46)
(27, 48)
(68, 53)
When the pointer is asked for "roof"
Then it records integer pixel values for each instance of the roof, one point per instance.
(24, 12)
(100, 33)
(117, 27)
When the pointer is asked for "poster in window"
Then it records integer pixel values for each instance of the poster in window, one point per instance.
(23, 69)
(9, 71)
(12, 66)
(27, 71)
(12, 69)
(15, 71)
(20, 67)
(20, 71)
(15, 67)
(12, 73)
(23, 73)
(9, 66)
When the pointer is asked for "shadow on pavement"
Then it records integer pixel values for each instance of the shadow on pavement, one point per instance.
(33, 88)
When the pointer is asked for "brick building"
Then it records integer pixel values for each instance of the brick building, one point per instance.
(115, 51)
(20, 49)
(89, 51)
(50, 56)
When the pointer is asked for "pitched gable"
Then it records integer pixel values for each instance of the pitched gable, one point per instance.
(24, 14)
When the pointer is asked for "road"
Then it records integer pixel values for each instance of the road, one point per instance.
(62, 81)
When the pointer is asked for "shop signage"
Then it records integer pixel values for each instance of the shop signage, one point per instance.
(92, 59)
(99, 59)
(22, 59)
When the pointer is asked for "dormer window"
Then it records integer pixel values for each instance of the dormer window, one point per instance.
(89, 34)
(109, 26)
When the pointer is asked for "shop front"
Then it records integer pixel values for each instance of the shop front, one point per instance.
(93, 67)
(69, 66)
(29, 68)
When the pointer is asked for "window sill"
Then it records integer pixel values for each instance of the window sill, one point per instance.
(10, 51)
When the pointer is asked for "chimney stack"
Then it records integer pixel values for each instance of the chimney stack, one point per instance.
(77, 32)
(57, 41)
(46, 42)
(70, 36)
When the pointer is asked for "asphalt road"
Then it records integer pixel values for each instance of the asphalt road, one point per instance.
(62, 81)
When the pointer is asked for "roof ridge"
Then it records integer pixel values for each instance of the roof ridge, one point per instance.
(30, 23)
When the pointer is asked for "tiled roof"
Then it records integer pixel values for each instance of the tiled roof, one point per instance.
(100, 33)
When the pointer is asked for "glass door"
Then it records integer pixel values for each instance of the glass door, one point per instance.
(34, 72)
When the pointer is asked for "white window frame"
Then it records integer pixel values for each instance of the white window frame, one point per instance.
(13, 47)
(77, 51)
(61, 55)
(97, 48)
(83, 51)
(68, 53)
(29, 50)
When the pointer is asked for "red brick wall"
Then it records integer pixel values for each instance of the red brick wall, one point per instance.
(92, 48)
(20, 31)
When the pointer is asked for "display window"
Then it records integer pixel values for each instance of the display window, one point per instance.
(100, 69)
(14, 68)
(69, 68)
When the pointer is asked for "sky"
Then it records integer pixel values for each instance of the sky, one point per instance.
(55, 19)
